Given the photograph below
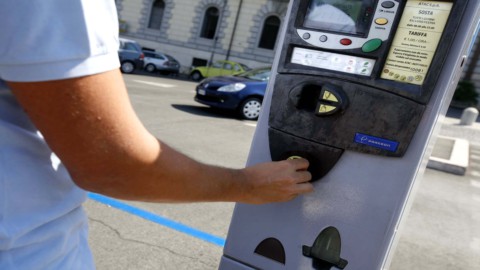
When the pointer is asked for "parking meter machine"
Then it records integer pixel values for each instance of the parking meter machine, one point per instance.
(358, 87)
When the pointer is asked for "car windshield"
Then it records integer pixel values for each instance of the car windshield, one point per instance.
(131, 46)
(261, 74)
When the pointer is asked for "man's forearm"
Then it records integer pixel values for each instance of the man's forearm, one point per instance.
(90, 124)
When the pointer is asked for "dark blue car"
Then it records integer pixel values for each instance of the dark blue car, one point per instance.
(243, 92)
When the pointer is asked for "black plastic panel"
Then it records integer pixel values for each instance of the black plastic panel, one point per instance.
(321, 157)
(368, 111)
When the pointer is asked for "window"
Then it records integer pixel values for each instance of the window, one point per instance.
(129, 46)
(217, 65)
(227, 66)
(148, 54)
(270, 31)
(210, 22)
(156, 14)
(197, 62)
(158, 56)
(153, 55)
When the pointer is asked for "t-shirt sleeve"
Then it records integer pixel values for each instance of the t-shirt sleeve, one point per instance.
(57, 39)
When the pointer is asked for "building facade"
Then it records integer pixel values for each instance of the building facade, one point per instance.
(196, 32)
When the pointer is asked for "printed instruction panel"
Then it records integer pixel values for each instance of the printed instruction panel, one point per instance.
(333, 61)
(416, 41)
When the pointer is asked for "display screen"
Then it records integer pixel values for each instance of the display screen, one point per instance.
(342, 16)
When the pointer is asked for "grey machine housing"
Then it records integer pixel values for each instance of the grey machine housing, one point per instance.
(362, 190)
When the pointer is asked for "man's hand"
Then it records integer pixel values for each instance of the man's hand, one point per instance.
(277, 181)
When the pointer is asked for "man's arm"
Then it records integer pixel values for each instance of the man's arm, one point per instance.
(90, 124)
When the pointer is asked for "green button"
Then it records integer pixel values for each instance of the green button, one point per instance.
(372, 45)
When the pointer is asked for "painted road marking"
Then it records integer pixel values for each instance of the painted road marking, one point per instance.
(250, 124)
(158, 219)
(164, 85)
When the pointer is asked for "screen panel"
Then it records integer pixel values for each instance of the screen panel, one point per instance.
(340, 16)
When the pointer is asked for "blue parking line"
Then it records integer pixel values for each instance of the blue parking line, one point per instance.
(158, 219)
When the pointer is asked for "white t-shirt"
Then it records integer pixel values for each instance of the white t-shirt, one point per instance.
(42, 223)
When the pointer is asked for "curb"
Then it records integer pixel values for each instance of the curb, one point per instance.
(450, 155)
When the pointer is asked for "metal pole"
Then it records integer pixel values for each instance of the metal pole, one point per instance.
(215, 38)
(234, 29)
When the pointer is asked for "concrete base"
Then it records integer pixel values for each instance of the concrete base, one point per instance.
(450, 155)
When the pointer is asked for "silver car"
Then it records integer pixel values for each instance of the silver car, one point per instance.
(163, 63)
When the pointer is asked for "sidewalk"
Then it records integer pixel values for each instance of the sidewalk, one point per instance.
(451, 151)
(452, 128)
(442, 231)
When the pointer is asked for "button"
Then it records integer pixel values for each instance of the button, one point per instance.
(372, 45)
(327, 95)
(388, 4)
(331, 101)
(324, 109)
(346, 41)
(294, 157)
(364, 71)
(306, 36)
(381, 21)
(323, 38)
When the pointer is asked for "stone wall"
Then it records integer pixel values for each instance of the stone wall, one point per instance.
(179, 35)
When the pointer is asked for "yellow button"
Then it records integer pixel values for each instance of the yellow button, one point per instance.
(326, 108)
(294, 157)
(381, 21)
(327, 95)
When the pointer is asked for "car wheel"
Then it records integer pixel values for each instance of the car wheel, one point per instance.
(127, 67)
(196, 76)
(150, 68)
(250, 108)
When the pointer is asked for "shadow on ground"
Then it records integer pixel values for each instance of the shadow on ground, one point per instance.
(206, 111)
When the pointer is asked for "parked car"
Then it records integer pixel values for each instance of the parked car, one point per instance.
(164, 63)
(131, 55)
(218, 68)
(243, 92)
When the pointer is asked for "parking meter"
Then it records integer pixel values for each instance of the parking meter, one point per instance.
(358, 87)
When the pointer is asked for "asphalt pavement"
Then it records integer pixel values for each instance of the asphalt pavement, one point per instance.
(442, 230)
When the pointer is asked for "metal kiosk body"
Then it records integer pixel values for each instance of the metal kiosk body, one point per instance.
(358, 87)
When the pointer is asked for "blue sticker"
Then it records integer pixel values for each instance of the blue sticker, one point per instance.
(376, 142)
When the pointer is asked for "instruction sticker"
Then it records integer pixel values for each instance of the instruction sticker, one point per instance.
(416, 41)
